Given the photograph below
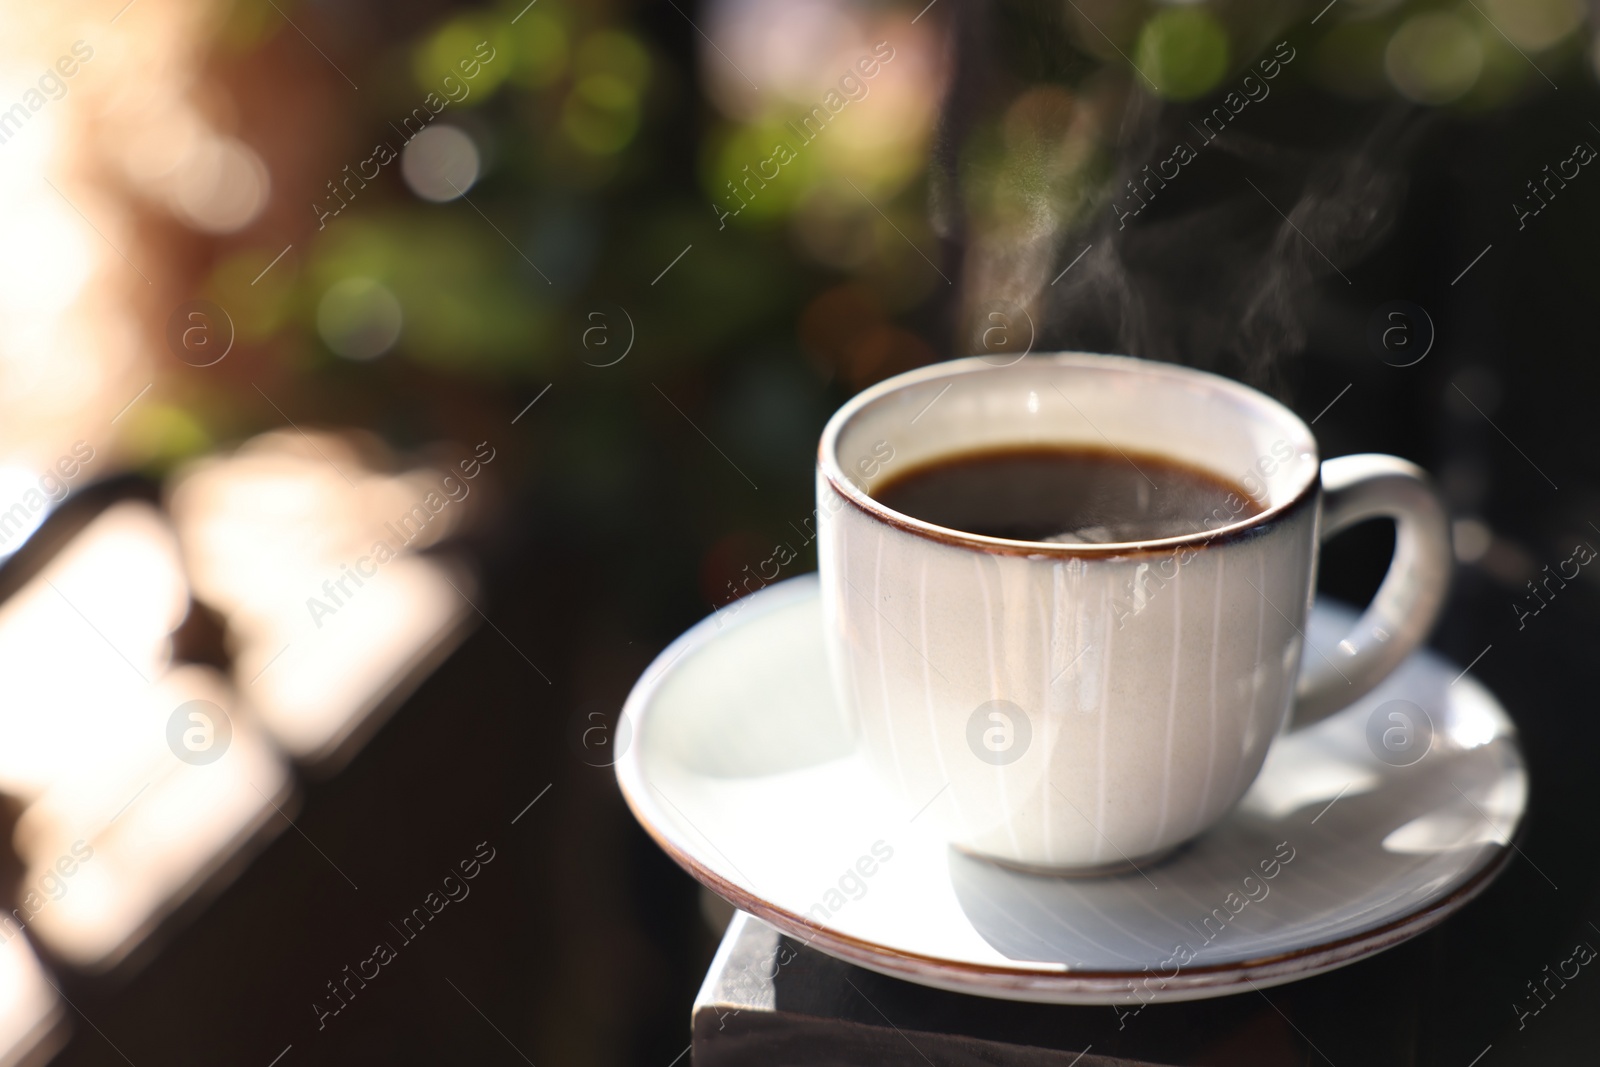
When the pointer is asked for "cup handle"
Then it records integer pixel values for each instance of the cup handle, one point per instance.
(1355, 489)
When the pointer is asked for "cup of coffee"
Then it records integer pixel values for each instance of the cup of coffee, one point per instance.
(1066, 598)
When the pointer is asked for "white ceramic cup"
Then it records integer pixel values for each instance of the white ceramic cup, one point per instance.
(1075, 707)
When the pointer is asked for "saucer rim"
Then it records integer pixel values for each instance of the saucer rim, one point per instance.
(1042, 982)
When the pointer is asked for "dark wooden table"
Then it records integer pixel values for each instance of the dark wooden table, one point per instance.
(1483, 989)
(769, 1000)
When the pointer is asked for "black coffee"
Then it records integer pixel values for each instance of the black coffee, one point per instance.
(1067, 494)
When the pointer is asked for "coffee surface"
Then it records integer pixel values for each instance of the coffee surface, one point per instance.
(1066, 494)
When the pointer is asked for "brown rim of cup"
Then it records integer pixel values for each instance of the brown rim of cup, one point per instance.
(1244, 528)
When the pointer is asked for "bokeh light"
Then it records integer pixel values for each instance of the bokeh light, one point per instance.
(359, 318)
(465, 60)
(159, 434)
(787, 52)
(1184, 50)
(440, 163)
(541, 42)
(220, 186)
(1434, 58)
(1535, 25)
(610, 71)
(472, 304)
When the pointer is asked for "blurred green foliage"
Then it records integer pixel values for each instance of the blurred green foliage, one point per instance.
(579, 118)
(471, 304)
(611, 146)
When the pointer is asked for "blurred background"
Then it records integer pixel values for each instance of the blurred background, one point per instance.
(382, 386)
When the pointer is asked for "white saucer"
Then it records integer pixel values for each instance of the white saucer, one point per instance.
(744, 770)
